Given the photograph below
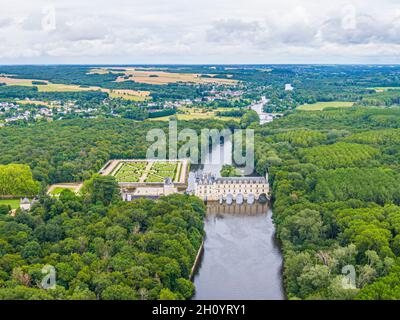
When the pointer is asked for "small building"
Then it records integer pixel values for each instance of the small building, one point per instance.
(25, 204)
(288, 87)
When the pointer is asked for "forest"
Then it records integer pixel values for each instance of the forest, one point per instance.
(335, 177)
(100, 247)
(72, 150)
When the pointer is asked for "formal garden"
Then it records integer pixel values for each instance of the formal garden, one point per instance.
(145, 172)
(130, 171)
(161, 170)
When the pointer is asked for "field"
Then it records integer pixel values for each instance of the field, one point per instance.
(14, 203)
(319, 106)
(49, 87)
(56, 189)
(197, 114)
(161, 77)
(56, 87)
(130, 95)
(383, 89)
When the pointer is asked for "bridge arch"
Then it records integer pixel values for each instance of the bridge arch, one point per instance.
(229, 198)
(239, 198)
(251, 198)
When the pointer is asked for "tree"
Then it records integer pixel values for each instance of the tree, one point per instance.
(102, 189)
(314, 279)
(229, 171)
(167, 294)
(16, 180)
(249, 118)
(185, 288)
(31, 250)
(119, 292)
(307, 225)
(4, 210)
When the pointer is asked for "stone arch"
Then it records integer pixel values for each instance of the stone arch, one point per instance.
(229, 198)
(251, 198)
(239, 198)
(263, 198)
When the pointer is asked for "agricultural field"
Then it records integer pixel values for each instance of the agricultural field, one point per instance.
(130, 171)
(197, 114)
(130, 95)
(383, 89)
(47, 86)
(161, 170)
(319, 106)
(161, 77)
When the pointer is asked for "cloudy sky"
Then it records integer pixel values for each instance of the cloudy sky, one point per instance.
(199, 31)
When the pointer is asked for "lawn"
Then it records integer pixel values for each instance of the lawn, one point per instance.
(14, 203)
(57, 191)
(319, 106)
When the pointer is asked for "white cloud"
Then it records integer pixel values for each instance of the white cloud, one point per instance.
(206, 31)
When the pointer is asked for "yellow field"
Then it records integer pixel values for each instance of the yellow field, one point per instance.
(56, 87)
(319, 106)
(161, 77)
(383, 89)
(16, 82)
(44, 103)
(130, 95)
(197, 114)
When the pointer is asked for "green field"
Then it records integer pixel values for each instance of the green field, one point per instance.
(57, 191)
(14, 203)
(319, 106)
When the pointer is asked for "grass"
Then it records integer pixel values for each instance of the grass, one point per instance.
(319, 106)
(14, 203)
(56, 191)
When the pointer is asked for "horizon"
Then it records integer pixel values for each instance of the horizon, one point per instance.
(199, 64)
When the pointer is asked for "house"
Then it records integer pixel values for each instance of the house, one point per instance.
(25, 204)
(288, 87)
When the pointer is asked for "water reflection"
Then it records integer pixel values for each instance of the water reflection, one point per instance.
(241, 258)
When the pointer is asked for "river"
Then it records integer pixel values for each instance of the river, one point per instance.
(241, 258)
